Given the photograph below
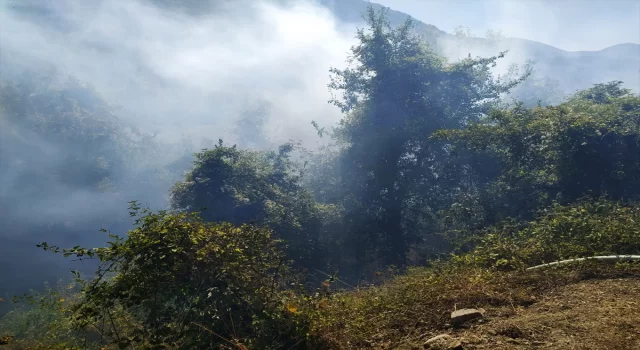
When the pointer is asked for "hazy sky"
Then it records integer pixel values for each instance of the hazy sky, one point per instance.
(571, 25)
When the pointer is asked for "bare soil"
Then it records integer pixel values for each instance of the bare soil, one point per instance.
(588, 315)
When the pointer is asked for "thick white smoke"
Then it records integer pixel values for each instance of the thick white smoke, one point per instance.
(188, 75)
(175, 74)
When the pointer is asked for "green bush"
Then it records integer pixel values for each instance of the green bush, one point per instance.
(583, 229)
(39, 320)
(244, 186)
(521, 160)
(176, 281)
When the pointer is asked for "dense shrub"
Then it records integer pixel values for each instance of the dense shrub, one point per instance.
(583, 229)
(227, 184)
(176, 281)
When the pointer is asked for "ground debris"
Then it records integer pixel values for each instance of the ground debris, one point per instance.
(443, 342)
(461, 316)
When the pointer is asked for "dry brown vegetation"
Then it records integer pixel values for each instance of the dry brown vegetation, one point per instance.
(592, 314)
(586, 306)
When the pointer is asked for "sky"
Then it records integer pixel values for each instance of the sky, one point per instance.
(571, 25)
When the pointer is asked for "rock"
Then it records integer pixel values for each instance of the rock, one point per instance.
(461, 316)
(6, 340)
(443, 342)
(540, 343)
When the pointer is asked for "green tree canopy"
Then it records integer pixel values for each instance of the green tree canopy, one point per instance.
(244, 186)
(587, 146)
(395, 93)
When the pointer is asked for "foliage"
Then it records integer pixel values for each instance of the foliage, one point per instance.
(249, 128)
(395, 93)
(243, 186)
(58, 134)
(68, 160)
(606, 93)
(180, 282)
(537, 90)
(425, 150)
(494, 35)
(39, 320)
(63, 116)
(587, 146)
(587, 228)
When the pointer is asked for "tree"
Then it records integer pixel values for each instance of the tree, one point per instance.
(604, 93)
(250, 127)
(395, 93)
(536, 90)
(243, 186)
(63, 149)
(462, 32)
(494, 35)
(587, 146)
(70, 121)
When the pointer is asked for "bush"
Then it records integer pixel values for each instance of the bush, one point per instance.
(179, 282)
(38, 320)
(580, 230)
(243, 186)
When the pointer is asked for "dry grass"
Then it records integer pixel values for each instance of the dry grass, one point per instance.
(582, 306)
(586, 306)
(592, 314)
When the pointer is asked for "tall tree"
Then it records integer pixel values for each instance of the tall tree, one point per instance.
(243, 186)
(250, 126)
(395, 93)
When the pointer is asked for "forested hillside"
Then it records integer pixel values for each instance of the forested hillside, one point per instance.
(440, 185)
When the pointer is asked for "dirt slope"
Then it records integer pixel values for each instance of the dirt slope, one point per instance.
(592, 314)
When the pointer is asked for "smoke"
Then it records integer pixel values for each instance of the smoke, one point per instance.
(575, 43)
(570, 25)
(566, 71)
(185, 75)
(187, 78)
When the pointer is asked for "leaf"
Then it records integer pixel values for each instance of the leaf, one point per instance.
(292, 308)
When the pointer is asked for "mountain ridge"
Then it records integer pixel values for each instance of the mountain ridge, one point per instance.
(396, 17)
(573, 70)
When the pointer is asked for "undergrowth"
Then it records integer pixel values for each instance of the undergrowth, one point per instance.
(420, 302)
(399, 310)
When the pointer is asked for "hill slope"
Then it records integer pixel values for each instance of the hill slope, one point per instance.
(580, 307)
(573, 70)
(593, 314)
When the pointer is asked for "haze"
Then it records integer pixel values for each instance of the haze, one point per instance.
(571, 25)
(189, 79)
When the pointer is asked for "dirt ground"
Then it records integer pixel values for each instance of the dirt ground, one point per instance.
(589, 315)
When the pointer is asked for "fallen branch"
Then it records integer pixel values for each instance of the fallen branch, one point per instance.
(602, 257)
